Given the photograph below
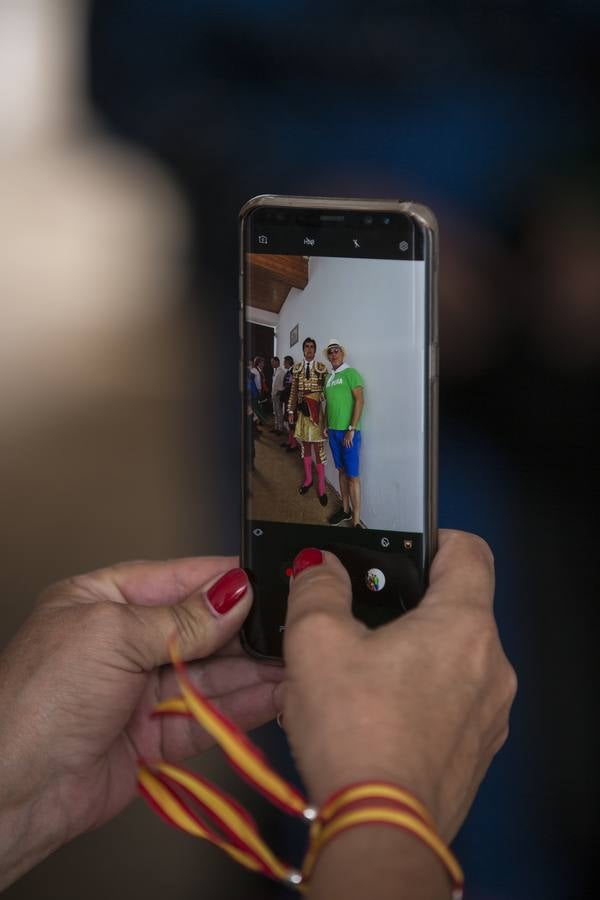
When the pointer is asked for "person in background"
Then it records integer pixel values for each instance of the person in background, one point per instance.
(344, 396)
(258, 392)
(276, 392)
(291, 443)
(252, 428)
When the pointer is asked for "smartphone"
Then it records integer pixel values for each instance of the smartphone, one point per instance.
(339, 374)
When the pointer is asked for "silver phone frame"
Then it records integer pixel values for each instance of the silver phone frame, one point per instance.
(426, 220)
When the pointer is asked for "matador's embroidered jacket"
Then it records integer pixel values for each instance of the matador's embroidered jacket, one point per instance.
(306, 399)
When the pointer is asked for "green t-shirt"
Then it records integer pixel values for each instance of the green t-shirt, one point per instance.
(340, 402)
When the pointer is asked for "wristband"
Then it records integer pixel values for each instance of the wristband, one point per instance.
(379, 803)
(182, 798)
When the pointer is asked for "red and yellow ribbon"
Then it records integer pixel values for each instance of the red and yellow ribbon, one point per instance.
(242, 754)
(175, 793)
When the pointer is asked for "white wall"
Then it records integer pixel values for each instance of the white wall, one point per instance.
(375, 308)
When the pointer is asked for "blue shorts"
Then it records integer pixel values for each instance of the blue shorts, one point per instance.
(346, 458)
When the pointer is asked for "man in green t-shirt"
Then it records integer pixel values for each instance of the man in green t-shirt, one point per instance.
(345, 401)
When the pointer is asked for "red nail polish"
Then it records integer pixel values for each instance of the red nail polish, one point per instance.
(307, 558)
(227, 591)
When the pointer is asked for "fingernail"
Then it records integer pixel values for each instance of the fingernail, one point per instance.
(308, 557)
(227, 591)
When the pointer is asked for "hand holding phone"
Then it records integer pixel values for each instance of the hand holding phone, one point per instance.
(421, 702)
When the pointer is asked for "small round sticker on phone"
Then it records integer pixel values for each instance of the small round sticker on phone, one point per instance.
(375, 580)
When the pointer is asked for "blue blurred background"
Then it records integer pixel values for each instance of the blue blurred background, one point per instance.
(486, 112)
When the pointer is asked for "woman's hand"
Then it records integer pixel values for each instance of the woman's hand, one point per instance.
(422, 702)
(80, 679)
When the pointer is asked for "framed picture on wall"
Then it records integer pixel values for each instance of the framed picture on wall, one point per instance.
(294, 335)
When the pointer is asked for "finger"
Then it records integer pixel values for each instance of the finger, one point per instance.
(201, 624)
(462, 571)
(157, 582)
(248, 708)
(221, 675)
(320, 583)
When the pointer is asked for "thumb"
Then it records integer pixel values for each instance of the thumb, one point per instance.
(202, 623)
(320, 583)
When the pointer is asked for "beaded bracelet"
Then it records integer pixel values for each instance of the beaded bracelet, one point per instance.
(173, 792)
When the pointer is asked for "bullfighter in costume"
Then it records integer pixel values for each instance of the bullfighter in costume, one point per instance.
(305, 408)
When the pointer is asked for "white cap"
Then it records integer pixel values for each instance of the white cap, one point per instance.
(334, 343)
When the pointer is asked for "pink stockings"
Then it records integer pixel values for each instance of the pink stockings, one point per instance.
(307, 454)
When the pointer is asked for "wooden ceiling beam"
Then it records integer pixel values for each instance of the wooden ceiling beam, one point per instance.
(291, 270)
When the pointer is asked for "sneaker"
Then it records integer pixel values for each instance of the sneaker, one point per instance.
(338, 517)
(323, 499)
(358, 525)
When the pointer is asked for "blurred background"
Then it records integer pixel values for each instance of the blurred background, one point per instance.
(130, 135)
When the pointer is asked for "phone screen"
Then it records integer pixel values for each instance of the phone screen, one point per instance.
(337, 406)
